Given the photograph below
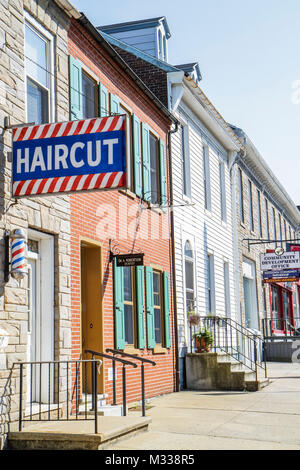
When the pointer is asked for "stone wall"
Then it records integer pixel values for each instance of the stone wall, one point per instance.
(46, 214)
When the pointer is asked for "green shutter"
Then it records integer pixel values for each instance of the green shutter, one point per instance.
(103, 101)
(146, 163)
(140, 306)
(75, 83)
(150, 308)
(167, 310)
(114, 104)
(119, 307)
(163, 179)
(137, 158)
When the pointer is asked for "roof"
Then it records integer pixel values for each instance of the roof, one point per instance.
(138, 53)
(84, 21)
(139, 24)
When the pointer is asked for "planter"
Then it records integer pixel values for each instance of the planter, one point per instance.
(201, 345)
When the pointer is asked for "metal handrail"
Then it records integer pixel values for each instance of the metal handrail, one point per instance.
(142, 360)
(114, 360)
(234, 339)
(94, 363)
(138, 358)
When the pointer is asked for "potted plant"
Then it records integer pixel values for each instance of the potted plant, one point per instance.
(203, 340)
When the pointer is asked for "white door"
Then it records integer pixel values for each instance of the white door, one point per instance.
(41, 317)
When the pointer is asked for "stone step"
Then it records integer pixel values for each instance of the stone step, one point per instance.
(106, 410)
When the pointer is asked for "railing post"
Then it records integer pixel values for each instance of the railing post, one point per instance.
(114, 383)
(143, 390)
(255, 358)
(21, 398)
(124, 391)
(95, 393)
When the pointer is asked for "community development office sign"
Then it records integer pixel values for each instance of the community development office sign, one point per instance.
(272, 262)
(69, 156)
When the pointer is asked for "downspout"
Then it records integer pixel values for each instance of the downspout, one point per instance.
(177, 371)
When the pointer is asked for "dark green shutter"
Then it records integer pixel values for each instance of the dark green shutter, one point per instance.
(114, 104)
(103, 101)
(146, 163)
(140, 306)
(167, 310)
(137, 158)
(150, 308)
(119, 307)
(163, 179)
(75, 83)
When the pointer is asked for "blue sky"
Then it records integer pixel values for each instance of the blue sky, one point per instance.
(249, 55)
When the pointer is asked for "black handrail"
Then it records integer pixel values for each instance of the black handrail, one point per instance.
(142, 360)
(94, 363)
(114, 360)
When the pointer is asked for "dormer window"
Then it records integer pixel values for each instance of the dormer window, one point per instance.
(160, 45)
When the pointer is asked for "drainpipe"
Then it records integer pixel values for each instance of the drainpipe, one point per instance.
(177, 371)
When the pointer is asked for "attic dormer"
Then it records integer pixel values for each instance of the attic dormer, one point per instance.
(193, 70)
(150, 36)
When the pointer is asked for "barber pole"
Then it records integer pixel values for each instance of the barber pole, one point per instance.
(18, 259)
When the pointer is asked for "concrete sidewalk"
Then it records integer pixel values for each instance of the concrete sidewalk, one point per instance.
(269, 419)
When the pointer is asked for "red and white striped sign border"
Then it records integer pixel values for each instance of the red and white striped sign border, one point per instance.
(69, 183)
(64, 129)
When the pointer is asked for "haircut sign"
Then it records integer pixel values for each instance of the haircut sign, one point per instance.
(69, 156)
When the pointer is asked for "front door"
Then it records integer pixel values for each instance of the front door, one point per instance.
(91, 310)
(41, 316)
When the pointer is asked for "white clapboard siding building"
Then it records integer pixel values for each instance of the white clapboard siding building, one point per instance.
(202, 149)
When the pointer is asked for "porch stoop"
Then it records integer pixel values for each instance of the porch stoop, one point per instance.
(103, 409)
(219, 371)
(77, 434)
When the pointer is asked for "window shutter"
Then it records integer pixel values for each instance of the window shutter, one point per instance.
(114, 104)
(140, 306)
(167, 310)
(150, 308)
(137, 158)
(119, 306)
(103, 101)
(75, 83)
(163, 179)
(146, 162)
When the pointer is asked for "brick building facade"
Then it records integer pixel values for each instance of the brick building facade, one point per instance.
(123, 221)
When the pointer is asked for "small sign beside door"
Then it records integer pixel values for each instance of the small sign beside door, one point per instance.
(130, 260)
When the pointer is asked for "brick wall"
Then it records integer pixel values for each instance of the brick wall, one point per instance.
(89, 221)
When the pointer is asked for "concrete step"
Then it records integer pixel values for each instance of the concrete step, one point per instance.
(77, 434)
(256, 385)
(106, 410)
(86, 402)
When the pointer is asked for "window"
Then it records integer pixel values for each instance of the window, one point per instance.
(241, 193)
(250, 294)
(206, 177)
(186, 174)
(227, 289)
(259, 214)
(211, 284)
(130, 180)
(189, 277)
(274, 224)
(280, 228)
(39, 75)
(160, 46)
(222, 191)
(154, 170)
(267, 219)
(129, 305)
(285, 230)
(158, 307)
(89, 97)
(251, 218)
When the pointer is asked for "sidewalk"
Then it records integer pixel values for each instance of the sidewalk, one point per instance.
(269, 419)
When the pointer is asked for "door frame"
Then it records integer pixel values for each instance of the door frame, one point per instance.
(93, 244)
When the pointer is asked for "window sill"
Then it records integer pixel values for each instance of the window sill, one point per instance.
(128, 193)
(158, 349)
(131, 350)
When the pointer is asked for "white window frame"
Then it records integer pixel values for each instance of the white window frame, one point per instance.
(206, 177)
(227, 296)
(40, 30)
(223, 201)
(210, 277)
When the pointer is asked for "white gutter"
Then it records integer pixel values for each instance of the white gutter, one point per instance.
(68, 8)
